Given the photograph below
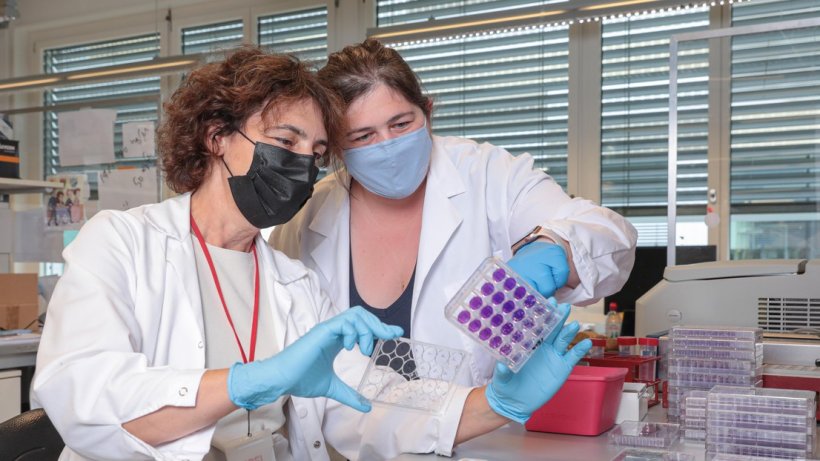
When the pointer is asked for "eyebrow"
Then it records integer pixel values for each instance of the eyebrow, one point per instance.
(298, 131)
(391, 120)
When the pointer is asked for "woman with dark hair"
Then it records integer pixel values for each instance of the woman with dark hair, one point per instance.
(411, 215)
(155, 327)
(176, 333)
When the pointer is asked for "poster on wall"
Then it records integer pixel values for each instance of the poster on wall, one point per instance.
(65, 206)
(86, 137)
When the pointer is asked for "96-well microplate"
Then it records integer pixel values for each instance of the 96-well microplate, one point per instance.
(501, 311)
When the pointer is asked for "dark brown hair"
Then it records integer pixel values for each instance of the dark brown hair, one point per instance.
(356, 69)
(221, 96)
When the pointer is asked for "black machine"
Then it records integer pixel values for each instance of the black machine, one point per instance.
(647, 272)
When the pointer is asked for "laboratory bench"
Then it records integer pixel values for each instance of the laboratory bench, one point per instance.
(513, 442)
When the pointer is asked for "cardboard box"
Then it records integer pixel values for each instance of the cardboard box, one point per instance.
(9, 159)
(18, 301)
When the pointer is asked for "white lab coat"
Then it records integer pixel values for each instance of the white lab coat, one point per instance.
(124, 337)
(479, 201)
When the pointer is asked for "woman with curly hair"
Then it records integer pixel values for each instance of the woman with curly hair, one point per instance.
(176, 333)
(174, 327)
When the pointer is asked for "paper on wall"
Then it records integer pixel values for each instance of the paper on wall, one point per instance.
(125, 189)
(138, 139)
(86, 136)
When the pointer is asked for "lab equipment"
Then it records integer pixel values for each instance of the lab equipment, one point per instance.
(411, 374)
(799, 377)
(693, 415)
(634, 402)
(774, 423)
(647, 347)
(587, 403)
(598, 347)
(518, 395)
(627, 345)
(613, 321)
(305, 368)
(634, 454)
(502, 312)
(632, 364)
(702, 357)
(776, 295)
(644, 434)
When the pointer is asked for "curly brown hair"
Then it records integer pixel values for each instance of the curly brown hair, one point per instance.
(221, 96)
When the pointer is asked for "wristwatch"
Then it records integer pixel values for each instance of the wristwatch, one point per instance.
(536, 233)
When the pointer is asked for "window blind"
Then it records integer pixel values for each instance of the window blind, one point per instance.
(775, 134)
(212, 38)
(303, 33)
(775, 110)
(396, 12)
(635, 112)
(508, 88)
(91, 56)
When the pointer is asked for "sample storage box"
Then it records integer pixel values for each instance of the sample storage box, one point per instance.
(9, 159)
(18, 301)
(634, 402)
(585, 405)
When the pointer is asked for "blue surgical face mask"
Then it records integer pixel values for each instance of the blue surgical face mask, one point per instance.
(393, 168)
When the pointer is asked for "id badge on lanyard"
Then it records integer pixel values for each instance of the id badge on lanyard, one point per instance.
(254, 446)
(257, 446)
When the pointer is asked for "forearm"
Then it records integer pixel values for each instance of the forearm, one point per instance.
(477, 418)
(170, 423)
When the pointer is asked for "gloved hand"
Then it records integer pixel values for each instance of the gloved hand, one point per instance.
(544, 265)
(518, 395)
(305, 368)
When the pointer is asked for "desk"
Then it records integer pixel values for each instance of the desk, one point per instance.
(513, 442)
(19, 350)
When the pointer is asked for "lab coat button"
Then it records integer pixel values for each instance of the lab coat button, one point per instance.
(200, 345)
(183, 391)
(302, 412)
(317, 444)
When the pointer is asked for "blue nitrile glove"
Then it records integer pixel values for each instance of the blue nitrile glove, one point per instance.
(305, 368)
(517, 395)
(543, 264)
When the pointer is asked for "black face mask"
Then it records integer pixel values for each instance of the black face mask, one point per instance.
(277, 185)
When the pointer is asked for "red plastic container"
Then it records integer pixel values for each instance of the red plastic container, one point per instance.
(586, 404)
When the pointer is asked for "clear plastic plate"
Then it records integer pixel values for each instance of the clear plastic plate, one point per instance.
(412, 374)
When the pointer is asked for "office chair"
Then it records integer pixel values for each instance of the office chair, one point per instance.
(30, 436)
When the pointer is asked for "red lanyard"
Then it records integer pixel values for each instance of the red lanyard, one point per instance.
(255, 325)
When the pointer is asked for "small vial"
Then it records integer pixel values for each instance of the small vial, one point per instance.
(598, 347)
(648, 348)
(627, 345)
